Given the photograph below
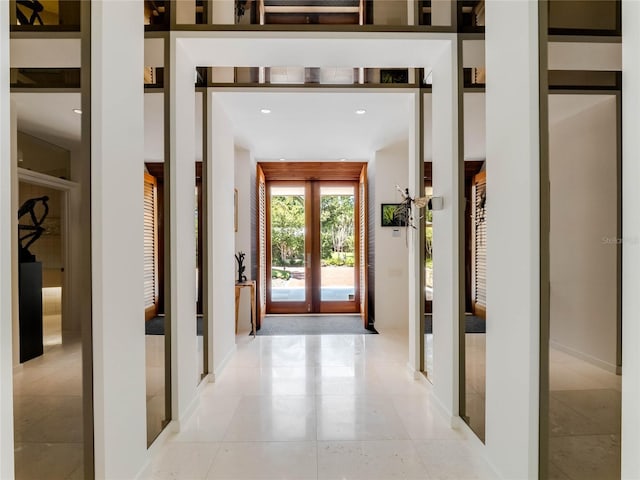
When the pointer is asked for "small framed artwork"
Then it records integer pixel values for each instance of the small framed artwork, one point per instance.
(394, 75)
(389, 217)
(235, 209)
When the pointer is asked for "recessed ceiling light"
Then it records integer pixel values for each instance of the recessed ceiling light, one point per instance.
(343, 159)
(282, 159)
(78, 111)
(361, 111)
(265, 110)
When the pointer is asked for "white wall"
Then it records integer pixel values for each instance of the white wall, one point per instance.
(513, 238)
(474, 126)
(391, 262)
(184, 358)
(244, 164)
(222, 258)
(446, 236)
(117, 123)
(583, 238)
(631, 235)
(7, 217)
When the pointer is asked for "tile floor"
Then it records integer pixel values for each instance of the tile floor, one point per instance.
(314, 407)
(318, 407)
(48, 414)
(584, 411)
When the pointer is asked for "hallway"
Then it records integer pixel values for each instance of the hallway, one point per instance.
(318, 407)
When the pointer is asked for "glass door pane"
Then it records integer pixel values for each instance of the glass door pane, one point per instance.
(337, 244)
(287, 219)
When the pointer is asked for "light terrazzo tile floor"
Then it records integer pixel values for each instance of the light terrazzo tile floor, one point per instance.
(318, 407)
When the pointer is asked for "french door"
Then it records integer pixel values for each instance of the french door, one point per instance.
(313, 246)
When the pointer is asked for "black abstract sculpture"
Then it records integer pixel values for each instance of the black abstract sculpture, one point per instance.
(403, 211)
(34, 6)
(241, 7)
(30, 278)
(29, 234)
(241, 268)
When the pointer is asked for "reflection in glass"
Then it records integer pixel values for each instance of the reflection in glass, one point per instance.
(47, 384)
(584, 390)
(35, 13)
(428, 278)
(155, 320)
(199, 234)
(474, 320)
(287, 217)
(337, 243)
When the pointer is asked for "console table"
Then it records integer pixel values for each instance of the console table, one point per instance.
(251, 284)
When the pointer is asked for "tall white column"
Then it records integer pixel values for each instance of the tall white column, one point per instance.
(7, 217)
(513, 237)
(182, 200)
(631, 240)
(446, 310)
(117, 153)
(222, 267)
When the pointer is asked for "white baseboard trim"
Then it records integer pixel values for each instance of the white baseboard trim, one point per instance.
(158, 443)
(219, 369)
(189, 411)
(415, 374)
(145, 465)
(444, 411)
(609, 367)
(475, 443)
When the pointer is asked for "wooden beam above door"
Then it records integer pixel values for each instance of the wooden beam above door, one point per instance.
(279, 171)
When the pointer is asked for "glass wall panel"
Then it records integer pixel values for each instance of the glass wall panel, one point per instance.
(52, 411)
(157, 331)
(287, 220)
(584, 349)
(200, 235)
(569, 16)
(337, 244)
(474, 325)
(476, 214)
(47, 14)
(155, 309)
(427, 365)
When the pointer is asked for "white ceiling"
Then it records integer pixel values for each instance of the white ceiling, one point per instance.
(316, 125)
(50, 116)
(302, 126)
